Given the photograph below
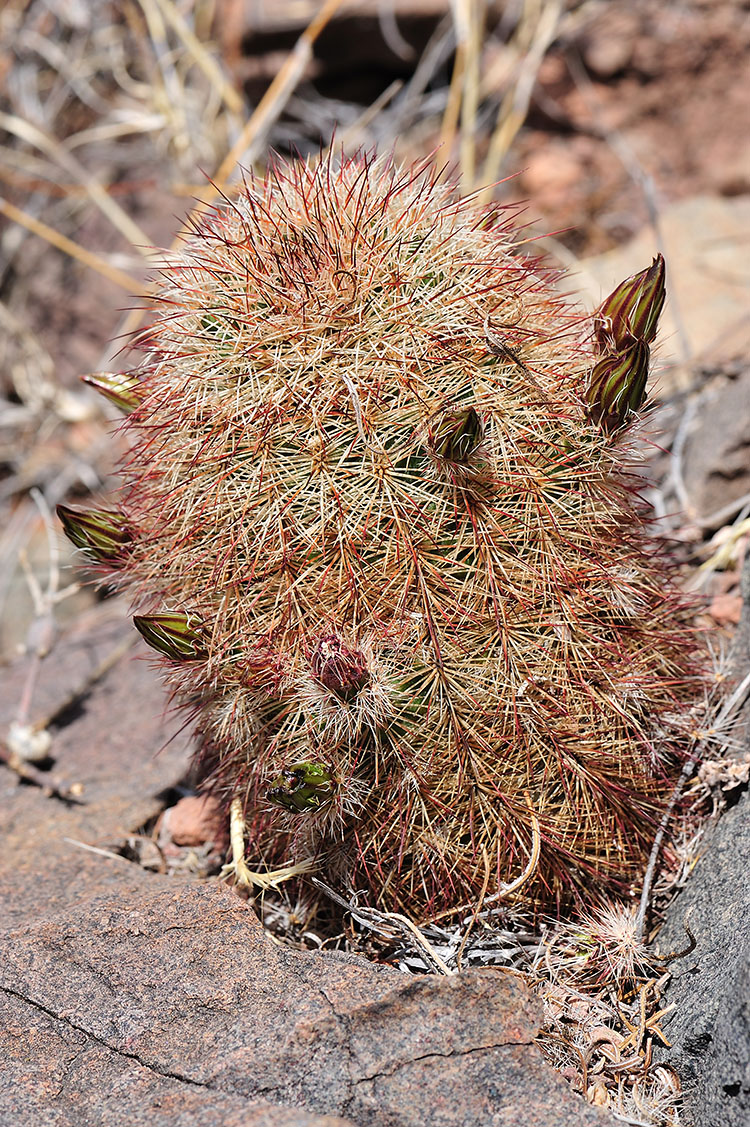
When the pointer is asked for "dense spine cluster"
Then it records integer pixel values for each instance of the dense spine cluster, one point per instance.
(376, 522)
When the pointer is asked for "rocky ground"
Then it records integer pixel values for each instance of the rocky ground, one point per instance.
(135, 986)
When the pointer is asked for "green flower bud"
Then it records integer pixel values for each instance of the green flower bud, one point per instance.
(340, 670)
(302, 788)
(176, 636)
(102, 535)
(617, 386)
(632, 310)
(457, 434)
(118, 387)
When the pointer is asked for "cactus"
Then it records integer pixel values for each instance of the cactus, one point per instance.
(384, 535)
(624, 326)
(120, 388)
(99, 534)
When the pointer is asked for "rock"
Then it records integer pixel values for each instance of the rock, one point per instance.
(726, 609)
(56, 1076)
(130, 997)
(180, 984)
(609, 42)
(710, 1029)
(741, 644)
(551, 172)
(195, 820)
(716, 455)
(119, 759)
(733, 178)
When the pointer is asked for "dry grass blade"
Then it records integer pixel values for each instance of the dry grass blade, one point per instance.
(421, 940)
(470, 99)
(253, 135)
(384, 923)
(273, 101)
(211, 69)
(477, 910)
(462, 24)
(67, 246)
(534, 36)
(119, 218)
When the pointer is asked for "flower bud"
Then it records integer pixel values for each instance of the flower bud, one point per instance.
(617, 386)
(340, 670)
(457, 434)
(118, 387)
(102, 535)
(302, 788)
(632, 310)
(176, 636)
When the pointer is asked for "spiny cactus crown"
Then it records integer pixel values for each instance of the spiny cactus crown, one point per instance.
(378, 530)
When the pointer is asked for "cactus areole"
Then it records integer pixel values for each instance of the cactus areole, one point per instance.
(383, 535)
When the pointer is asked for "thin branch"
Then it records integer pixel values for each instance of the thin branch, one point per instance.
(721, 516)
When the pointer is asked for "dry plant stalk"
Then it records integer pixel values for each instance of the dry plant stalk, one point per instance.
(601, 987)
(378, 521)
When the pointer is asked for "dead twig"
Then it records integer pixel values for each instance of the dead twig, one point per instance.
(722, 515)
(374, 921)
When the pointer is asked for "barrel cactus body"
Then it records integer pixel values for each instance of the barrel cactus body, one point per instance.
(388, 551)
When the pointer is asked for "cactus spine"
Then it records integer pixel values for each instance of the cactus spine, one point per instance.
(382, 537)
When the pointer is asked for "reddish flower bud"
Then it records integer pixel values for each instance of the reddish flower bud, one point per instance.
(618, 386)
(176, 636)
(118, 387)
(302, 788)
(632, 310)
(102, 535)
(340, 670)
(456, 434)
